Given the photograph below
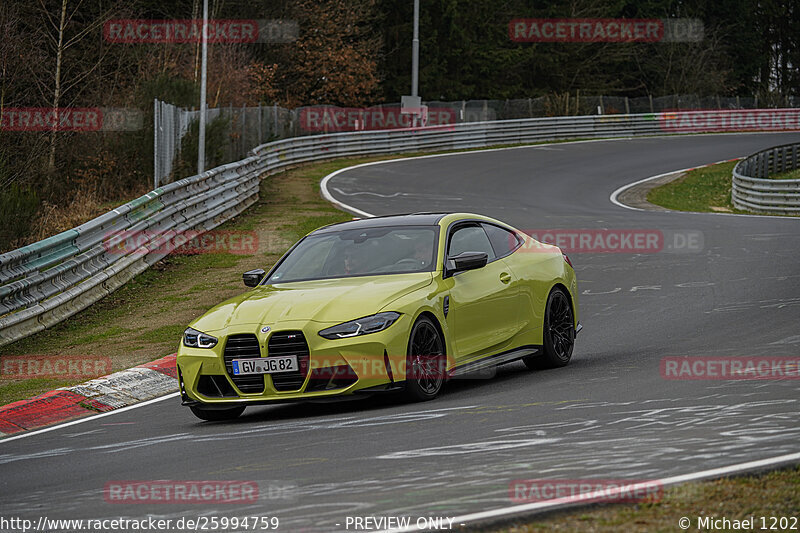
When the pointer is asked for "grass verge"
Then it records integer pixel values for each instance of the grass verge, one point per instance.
(773, 494)
(706, 190)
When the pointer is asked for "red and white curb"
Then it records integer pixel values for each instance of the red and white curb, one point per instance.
(107, 393)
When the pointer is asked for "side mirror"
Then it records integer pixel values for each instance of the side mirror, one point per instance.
(252, 278)
(466, 261)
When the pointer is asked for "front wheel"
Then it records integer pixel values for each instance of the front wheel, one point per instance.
(217, 415)
(425, 362)
(558, 335)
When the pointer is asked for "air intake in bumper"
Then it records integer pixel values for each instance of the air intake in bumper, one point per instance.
(215, 387)
(330, 378)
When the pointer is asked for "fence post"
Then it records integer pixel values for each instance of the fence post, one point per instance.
(155, 143)
(260, 137)
(241, 154)
(230, 150)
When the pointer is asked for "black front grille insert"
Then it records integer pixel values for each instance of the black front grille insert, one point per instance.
(244, 346)
(289, 343)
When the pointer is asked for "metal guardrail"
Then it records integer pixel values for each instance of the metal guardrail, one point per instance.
(48, 281)
(44, 283)
(752, 188)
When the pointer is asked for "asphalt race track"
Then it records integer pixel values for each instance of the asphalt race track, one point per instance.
(609, 414)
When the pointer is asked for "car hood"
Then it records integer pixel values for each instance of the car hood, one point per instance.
(330, 300)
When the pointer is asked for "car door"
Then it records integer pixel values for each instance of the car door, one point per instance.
(483, 302)
(505, 243)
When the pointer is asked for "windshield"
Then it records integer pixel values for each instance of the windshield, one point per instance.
(359, 252)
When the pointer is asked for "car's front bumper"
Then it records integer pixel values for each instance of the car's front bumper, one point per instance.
(368, 363)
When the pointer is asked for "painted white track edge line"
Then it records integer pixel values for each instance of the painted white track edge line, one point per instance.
(614, 195)
(614, 198)
(354, 210)
(326, 194)
(87, 418)
(576, 500)
(323, 187)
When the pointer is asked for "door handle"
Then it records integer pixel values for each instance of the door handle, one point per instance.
(505, 277)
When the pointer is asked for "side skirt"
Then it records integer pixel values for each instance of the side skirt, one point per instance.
(495, 360)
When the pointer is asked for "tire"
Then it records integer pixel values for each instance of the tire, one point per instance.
(425, 361)
(558, 333)
(217, 415)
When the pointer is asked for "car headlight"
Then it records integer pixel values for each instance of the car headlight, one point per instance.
(361, 326)
(197, 339)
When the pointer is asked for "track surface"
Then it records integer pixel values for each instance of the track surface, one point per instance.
(607, 415)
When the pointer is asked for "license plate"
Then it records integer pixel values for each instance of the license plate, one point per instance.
(265, 365)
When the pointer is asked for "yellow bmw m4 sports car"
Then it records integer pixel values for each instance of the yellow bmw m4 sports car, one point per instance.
(395, 303)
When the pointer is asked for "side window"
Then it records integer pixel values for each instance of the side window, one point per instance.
(503, 241)
(470, 239)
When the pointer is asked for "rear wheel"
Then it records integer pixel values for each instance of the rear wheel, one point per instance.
(558, 335)
(216, 415)
(425, 362)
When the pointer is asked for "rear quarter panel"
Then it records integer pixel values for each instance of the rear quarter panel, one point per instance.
(540, 267)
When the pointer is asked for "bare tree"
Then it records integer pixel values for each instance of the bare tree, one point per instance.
(686, 68)
(58, 30)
